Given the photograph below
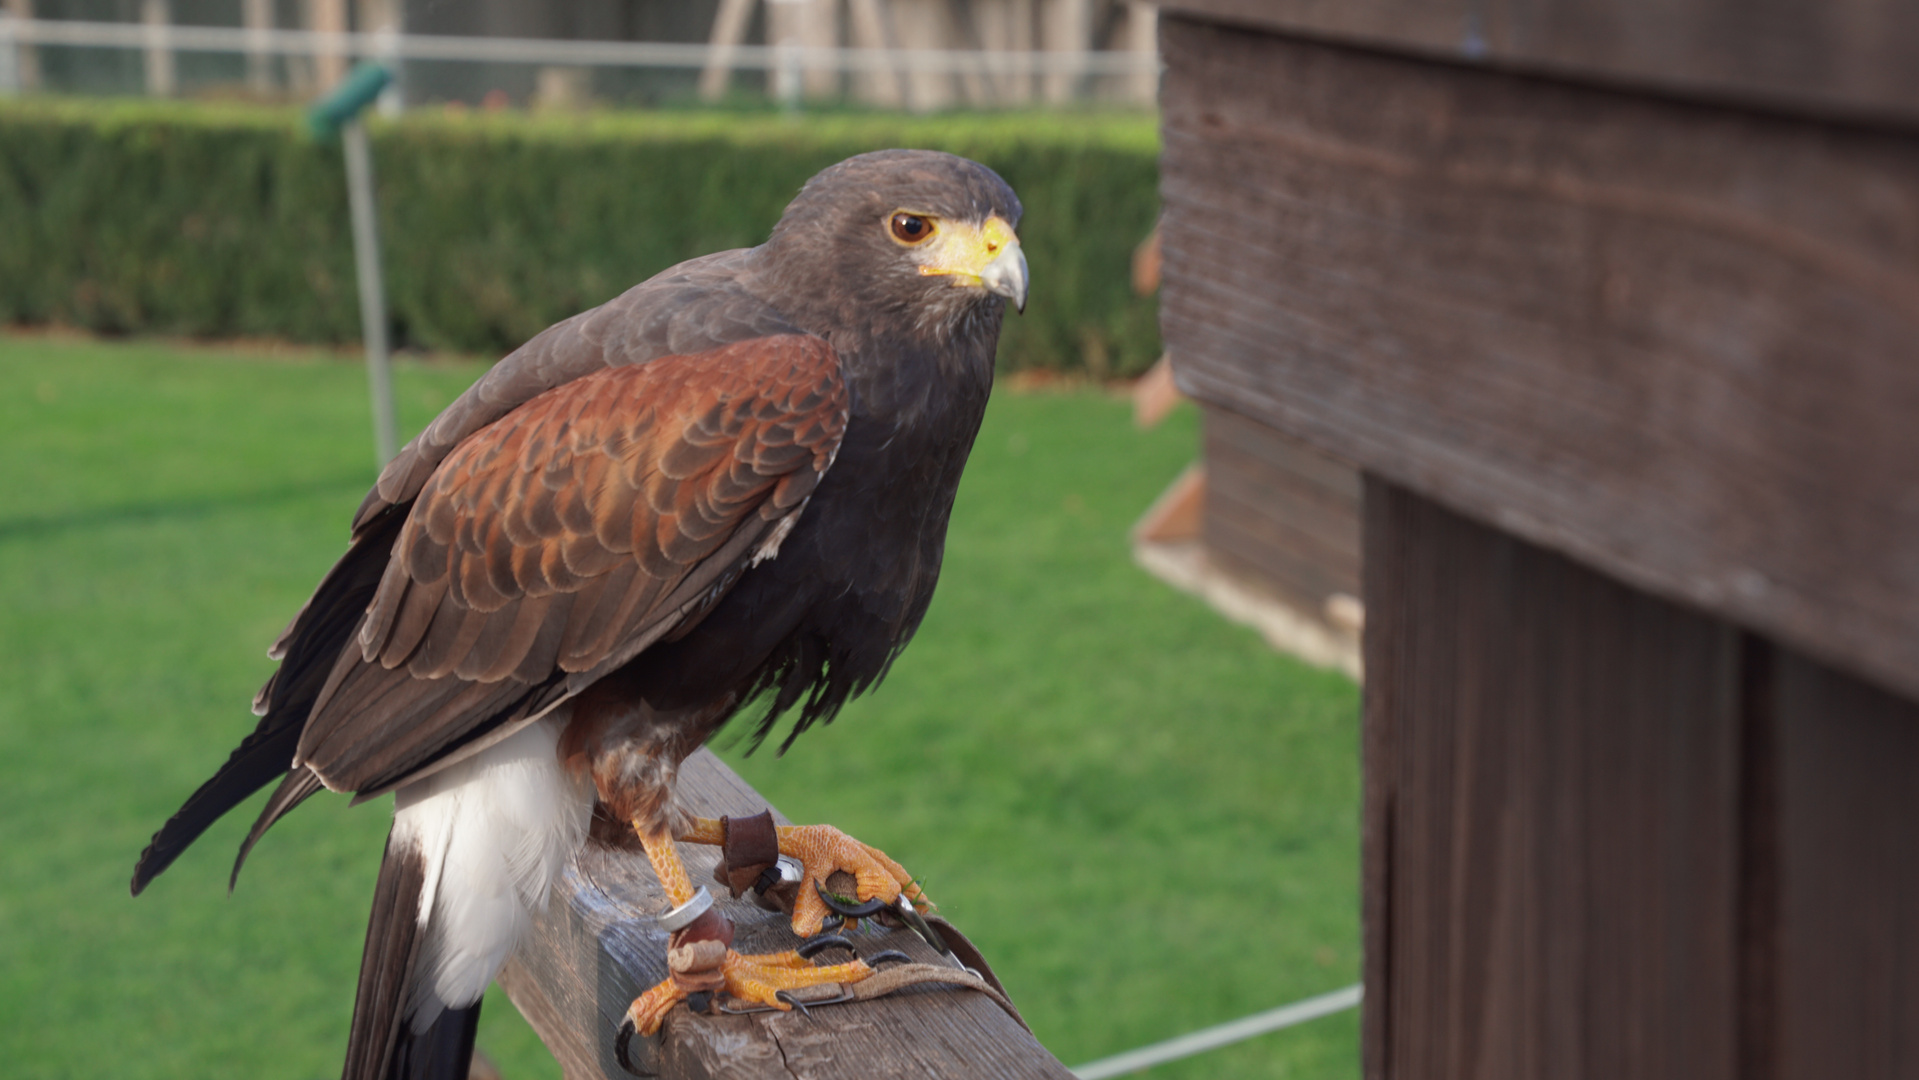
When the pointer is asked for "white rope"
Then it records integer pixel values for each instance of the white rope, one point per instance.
(644, 54)
(1213, 1038)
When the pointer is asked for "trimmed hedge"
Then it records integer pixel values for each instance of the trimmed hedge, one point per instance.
(218, 220)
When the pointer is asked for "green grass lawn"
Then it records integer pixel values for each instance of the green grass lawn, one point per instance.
(1147, 820)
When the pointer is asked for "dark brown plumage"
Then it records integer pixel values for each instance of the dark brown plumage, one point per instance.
(730, 484)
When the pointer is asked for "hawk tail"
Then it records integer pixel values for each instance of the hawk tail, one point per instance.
(262, 757)
(383, 1044)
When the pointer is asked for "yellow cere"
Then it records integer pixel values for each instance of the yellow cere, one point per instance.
(964, 250)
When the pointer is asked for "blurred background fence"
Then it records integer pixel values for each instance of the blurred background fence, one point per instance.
(510, 194)
(912, 54)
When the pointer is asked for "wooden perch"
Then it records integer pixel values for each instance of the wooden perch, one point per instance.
(597, 947)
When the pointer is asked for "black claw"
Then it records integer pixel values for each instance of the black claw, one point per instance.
(851, 911)
(769, 877)
(819, 945)
(795, 1002)
(699, 1001)
(920, 926)
(888, 956)
(620, 1045)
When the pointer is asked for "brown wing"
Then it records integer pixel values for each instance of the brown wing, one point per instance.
(690, 308)
(559, 541)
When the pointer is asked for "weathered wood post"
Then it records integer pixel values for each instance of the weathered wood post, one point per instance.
(1616, 305)
(596, 948)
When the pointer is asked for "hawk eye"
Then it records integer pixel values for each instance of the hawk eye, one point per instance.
(911, 228)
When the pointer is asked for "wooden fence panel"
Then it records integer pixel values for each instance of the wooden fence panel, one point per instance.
(1847, 951)
(1679, 344)
(1280, 512)
(1844, 57)
(1553, 797)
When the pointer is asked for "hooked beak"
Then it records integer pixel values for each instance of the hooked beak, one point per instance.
(1006, 275)
(985, 255)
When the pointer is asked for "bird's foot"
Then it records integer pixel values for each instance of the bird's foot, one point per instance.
(821, 873)
(879, 885)
(702, 969)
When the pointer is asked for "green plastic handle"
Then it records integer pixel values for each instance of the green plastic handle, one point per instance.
(355, 92)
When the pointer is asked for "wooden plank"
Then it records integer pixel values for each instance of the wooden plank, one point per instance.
(1552, 814)
(1332, 480)
(1679, 344)
(1271, 502)
(1175, 516)
(597, 947)
(1280, 513)
(1848, 948)
(1266, 492)
(1277, 556)
(1852, 58)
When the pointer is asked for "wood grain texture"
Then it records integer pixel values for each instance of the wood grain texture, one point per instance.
(1552, 814)
(1679, 344)
(1851, 58)
(596, 948)
(1279, 512)
(1848, 944)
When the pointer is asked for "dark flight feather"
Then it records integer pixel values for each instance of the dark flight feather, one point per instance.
(298, 786)
(393, 941)
(321, 630)
(444, 1051)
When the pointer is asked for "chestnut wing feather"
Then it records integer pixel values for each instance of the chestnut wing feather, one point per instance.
(559, 541)
(690, 308)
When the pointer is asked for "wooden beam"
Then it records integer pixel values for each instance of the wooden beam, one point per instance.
(1142, 37)
(26, 58)
(925, 24)
(157, 16)
(1280, 512)
(1006, 26)
(330, 63)
(1840, 952)
(820, 29)
(1849, 58)
(1553, 825)
(1066, 26)
(257, 17)
(869, 28)
(729, 32)
(1678, 344)
(596, 947)
(1607, 836)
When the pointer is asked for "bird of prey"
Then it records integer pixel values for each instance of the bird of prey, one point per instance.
(729, 485)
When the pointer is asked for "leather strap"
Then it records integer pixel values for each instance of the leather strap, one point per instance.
(751, 845)
(967, 953)
(897, 977)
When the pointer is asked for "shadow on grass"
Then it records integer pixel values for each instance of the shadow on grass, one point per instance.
(178, 509)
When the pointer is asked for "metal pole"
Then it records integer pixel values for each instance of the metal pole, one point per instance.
(1213, 1038)
(366, 257)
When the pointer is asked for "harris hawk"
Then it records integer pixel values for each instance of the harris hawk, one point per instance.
(729, 485)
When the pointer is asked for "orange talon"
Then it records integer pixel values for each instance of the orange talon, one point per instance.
(711, 964)
(824, 850)
(757, 979)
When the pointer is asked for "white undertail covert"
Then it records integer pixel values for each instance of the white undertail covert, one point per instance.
(494, 831)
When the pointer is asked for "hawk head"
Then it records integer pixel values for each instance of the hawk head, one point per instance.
(916, 235)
